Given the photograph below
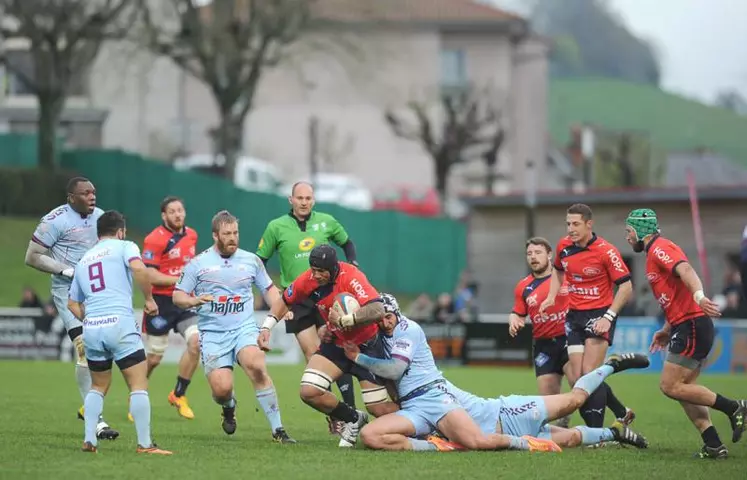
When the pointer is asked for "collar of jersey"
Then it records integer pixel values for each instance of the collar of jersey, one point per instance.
(591, 240)
(301, 223)
(653, 239)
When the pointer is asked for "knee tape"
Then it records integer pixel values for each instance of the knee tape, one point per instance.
(316, 379)
(80, 352)
(575, 349)
(191, 330)
(373, 396)
(156, 345)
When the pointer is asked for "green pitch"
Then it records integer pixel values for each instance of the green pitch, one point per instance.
(40, 436)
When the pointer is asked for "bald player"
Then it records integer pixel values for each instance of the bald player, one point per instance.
(293, 236)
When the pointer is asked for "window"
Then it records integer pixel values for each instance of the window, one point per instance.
(453, 68)
(13, 84)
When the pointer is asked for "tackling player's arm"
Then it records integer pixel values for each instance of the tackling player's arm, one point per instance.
(37, 252)
(340, 237)
(390, 368)
(517, 318)
(75, 301)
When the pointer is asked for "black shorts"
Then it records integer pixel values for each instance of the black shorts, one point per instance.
(373, 348)
(550, 355)
(169, 317)
(690, 342)
(578, 326)
(305, 315)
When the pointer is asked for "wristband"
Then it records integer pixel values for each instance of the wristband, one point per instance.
(347, 321)
(698, 296)
(270, 322)
(610, 315)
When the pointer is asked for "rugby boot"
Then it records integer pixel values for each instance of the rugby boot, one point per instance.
(625, 361)
(89, 447)
(717, 453)
(626, 436)
(182, 405)
(349, 434)
(628, 418)
(541, 445)
(444, 445)
(738, 421)
(152, 450)
(335, 426)
(229, 420)
(281, 436)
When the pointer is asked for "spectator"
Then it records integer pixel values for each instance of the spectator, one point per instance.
(734, 306)
(443, 312)
(29, 299)
(421, 308)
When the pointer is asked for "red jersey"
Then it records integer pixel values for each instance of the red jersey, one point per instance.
(529, 294)
(590, 272)
(662, 256)
(169, 252)
(349, 280)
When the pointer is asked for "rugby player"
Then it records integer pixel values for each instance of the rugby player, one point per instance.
(218, 283)
(428, 402)
(688, 331)
(166, 250)
(101, 298)
(293, 236)
(60, 239)
(592, 267)
(320, 284)
(548, 329)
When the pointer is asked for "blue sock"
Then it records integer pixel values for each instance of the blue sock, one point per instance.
(592, 436)
(93, 406)
(592, 380)
(140, 410)
(268, 398)
(422, 445)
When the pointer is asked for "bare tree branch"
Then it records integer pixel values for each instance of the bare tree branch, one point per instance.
(65, 37)
(227, 45)
(468, 120)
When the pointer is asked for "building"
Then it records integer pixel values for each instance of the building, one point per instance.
(404, 50)
(498, 228)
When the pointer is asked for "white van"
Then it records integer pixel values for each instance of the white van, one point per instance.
(252, 174)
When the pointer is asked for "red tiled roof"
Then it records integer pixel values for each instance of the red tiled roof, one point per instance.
(437, 11)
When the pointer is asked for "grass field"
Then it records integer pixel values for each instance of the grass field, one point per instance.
(40, 435)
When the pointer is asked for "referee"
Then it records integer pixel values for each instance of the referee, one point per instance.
(293, 236)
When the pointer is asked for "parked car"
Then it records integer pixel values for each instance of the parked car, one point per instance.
(342, 189)
(418, 201)
(252, 174)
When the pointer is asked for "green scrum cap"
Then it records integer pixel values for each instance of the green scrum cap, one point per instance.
(643, 221)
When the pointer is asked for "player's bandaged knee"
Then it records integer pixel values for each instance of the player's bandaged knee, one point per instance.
(189, 332)
(575, 349)
(156, 345)
(316, 379)
(372, 396)
(80, 352)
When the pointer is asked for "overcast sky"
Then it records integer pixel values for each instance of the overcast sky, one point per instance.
(702, 43)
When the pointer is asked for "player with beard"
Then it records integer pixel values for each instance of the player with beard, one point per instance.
(218, 283)
(56, 247)
(688, 331)
(166, 250)
(548, 328)
(592, 267)
(293, 236)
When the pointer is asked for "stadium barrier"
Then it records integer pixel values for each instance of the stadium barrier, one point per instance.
(26, 333)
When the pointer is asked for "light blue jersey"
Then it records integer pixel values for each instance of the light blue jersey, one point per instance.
(103, 280)
(103, 284)
(517, 415)
(409, 344)
(67, 235)
(229, 281)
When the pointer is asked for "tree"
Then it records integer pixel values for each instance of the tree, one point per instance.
(228, 45)
(467, 124)
(606, 47)
(732, 100)
(64, 38)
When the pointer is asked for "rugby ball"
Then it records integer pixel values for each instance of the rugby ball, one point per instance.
(345, 304)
